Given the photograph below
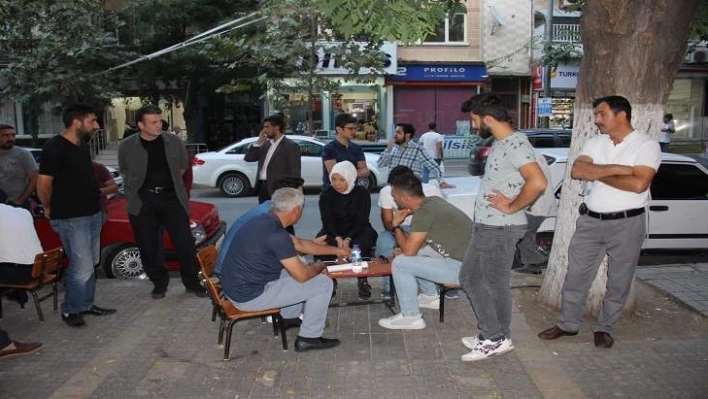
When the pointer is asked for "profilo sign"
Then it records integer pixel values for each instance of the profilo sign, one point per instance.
(329, 64)
(438, 73)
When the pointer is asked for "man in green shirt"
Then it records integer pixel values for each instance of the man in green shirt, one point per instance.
(431, 253)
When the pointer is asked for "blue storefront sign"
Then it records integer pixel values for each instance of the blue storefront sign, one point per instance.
(438, 73)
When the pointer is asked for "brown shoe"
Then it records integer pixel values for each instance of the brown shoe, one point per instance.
(603, 339)
(20, 349)
(554, 333)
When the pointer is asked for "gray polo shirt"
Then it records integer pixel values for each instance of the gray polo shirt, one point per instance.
(15, 164)
(502, 173)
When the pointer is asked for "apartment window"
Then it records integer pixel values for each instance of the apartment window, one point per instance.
(449, 31)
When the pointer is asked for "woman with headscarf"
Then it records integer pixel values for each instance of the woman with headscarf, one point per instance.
(344, 209)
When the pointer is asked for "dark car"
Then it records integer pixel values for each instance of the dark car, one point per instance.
(539, 138)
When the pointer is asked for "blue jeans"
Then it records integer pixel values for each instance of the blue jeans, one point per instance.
(486, 276)
(310, 298)
(81, 239)
(385, 243)
(425, 269)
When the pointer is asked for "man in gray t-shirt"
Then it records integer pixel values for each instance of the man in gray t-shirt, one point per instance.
(18, 170)
(512, 181)
(431, 253)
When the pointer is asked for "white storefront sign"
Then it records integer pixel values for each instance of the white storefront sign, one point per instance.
(328, 64)
(565, 76)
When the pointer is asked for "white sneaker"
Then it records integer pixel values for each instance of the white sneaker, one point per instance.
(487, 348)
(401, 322)
(470, 342)
(426, 301)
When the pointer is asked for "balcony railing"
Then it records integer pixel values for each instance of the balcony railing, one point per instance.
(566, 33)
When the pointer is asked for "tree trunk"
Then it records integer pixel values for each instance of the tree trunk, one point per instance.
(632, 48)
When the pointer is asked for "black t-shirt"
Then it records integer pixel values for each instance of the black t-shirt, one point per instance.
(158, 170)
(75, 192)
(253, 259)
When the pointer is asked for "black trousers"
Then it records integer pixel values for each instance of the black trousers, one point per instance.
(4, 339)
(164, 211)
(13, 273)
(262, 190)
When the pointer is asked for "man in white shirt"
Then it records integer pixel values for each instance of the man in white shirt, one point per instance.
(667, 129)
(432, 141)
(621, 162)
(386, 242)
(19, 243)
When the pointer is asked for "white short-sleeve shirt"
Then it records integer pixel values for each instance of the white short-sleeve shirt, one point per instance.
(637, 149)
(386, 199)
(18, 238)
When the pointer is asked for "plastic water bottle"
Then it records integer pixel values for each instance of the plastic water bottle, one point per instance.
(356, 257)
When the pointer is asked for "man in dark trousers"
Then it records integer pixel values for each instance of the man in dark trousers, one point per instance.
(70, 196)
(152, 164)
(621, 163)
(278, 157)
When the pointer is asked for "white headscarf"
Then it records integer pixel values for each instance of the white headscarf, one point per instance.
(348, 171)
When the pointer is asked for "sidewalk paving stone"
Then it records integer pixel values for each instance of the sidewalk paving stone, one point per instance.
(168, 348)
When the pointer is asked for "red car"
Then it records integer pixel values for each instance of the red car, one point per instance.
(120, 257)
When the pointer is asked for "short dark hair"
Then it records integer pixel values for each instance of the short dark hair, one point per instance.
(277, 120)
(76, 111)
(407, 128)
(147, 110)
(486, 104)
(288, 182)
(397, 171)
(670, 116)
(617, 104)
(432, 125)
(5, 127)
(408, 183)
(343, 119)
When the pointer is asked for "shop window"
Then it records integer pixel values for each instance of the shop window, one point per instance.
(450, 30)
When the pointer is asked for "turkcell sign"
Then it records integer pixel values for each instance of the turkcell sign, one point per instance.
(545, 107)
(438, 73)
(329, 64)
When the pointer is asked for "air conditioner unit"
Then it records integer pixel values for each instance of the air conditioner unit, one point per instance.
(567, 3)
(697, 56)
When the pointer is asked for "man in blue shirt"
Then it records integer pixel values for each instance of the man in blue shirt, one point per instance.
(342, 149)
(262, 270)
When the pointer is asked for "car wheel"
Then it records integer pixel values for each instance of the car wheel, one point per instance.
(369, 183)
(234, 185)
(124, 262)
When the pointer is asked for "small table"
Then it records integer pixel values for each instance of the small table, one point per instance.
(377, 268)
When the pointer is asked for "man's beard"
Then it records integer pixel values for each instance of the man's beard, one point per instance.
(485, 132)
(85, 135)
(8, 145)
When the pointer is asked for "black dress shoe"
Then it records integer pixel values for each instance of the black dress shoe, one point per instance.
(603, 339)
(158, 292)
(96, 311)
(198, 292)
(305, 344)
(73, 319)
(554, 333)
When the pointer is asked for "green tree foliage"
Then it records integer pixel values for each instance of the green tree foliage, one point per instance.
(283, 50)
(56, 48)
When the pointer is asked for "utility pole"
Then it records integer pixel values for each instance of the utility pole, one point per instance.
(546, 121)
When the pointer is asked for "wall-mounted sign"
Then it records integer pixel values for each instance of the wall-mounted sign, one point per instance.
(438, 73)
(545, 107)
(328, 64)
(565, 76)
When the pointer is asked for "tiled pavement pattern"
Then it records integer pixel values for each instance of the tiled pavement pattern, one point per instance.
(167, 348)
(686, 283)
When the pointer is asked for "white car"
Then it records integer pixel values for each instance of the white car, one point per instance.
(677, 216)
(226, 170)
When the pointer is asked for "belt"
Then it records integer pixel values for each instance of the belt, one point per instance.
(159, 190)
(616, 215)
